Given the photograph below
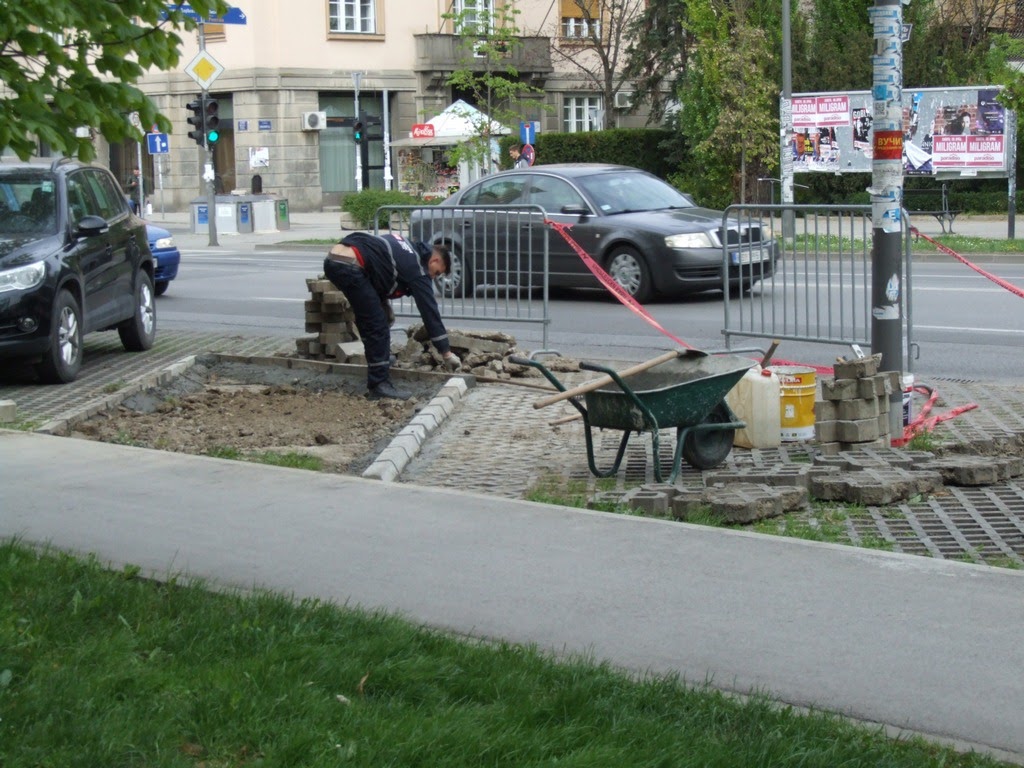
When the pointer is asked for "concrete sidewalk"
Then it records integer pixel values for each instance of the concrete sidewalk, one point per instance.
(924, 645)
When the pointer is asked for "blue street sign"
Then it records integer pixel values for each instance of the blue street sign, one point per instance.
(527, 132)
(233, 15)
(158, 144)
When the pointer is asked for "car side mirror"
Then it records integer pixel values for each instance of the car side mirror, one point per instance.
(576, 210)
(90, 226)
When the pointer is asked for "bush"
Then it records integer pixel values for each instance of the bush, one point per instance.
(638, 147)
(362, 206)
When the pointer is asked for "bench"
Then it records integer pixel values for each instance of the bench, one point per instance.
(944, 214)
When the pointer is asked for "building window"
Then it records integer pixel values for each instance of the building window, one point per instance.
(582, 113)
(581, 19)
(352, 16)
(473, 16)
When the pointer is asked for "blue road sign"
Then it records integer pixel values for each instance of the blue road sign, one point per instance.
(232, 16)
(158, 144)
(527, 132)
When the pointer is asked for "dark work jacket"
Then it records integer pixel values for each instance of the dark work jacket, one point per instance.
(397, 267)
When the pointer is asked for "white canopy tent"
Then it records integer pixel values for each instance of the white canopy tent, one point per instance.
(458, 122)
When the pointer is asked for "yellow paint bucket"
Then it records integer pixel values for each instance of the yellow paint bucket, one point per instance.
(797, 392)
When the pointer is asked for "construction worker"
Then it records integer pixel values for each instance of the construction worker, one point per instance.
(372, 269)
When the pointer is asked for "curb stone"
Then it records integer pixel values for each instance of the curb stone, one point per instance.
(406, 445)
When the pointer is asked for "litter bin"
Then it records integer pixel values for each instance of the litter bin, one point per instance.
(263, 214)
(245, 216)
(227, 215)
(200, 218)
(282, 215)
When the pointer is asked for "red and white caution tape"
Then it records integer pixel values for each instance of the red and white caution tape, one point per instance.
(609, 282)
(925, 423)
(950, 252)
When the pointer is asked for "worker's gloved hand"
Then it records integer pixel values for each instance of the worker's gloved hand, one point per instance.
(452, 362)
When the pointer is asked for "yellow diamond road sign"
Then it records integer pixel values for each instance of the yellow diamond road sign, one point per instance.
(204, 69)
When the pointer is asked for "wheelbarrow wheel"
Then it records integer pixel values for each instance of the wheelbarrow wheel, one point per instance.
(708, 449)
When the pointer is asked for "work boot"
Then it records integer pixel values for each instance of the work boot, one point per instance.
(386, 389)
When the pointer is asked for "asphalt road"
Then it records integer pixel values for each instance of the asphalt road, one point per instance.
(966, 326)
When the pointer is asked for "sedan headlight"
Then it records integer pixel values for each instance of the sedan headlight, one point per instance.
(164, 242)
(690, 240)
(22, 278)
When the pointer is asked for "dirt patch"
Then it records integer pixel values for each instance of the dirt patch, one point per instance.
(218, 407)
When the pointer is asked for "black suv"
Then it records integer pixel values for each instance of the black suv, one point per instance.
(73, 259)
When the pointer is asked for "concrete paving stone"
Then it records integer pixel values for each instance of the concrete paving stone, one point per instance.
(825, 410)
(744, 503)
(865, 457)
(838, 390)
(875, 486)
(651, 502)
(8, 411)
(857, 431)
(857, 369)
(775, 476)
(975, 470)
(825, 432)
(857, 409)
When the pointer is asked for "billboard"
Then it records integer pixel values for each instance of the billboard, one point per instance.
(947, 133)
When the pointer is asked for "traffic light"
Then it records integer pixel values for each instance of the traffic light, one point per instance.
(195, 118)
(357, 132)
(212, 122)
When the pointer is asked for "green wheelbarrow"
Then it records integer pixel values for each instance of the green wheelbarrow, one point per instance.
(684, 389)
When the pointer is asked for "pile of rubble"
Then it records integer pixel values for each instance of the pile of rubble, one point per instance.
(484, 354)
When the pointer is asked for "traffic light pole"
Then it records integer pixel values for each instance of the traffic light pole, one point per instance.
(208, 175)
(211, 191)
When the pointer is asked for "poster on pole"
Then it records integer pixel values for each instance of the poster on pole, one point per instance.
(948, 133)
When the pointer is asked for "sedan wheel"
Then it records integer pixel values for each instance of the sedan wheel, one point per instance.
(628, 269)
(64, 358)
(139, 331)
(458, 284)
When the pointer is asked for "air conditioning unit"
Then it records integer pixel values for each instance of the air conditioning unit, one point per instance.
(623, 99)
(314, 121)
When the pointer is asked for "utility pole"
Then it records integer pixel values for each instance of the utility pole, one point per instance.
(886, 193)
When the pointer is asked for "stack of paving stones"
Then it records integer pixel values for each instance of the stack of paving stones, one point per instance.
(330, 317)
(854, 409)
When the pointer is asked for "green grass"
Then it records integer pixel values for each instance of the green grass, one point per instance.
(292, 459)
(811, 243)
(102, 668)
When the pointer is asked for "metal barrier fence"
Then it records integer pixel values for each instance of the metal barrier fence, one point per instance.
(820, 287)
(500, 260)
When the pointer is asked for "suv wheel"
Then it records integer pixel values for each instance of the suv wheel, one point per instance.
(64, 358)
(139, 331)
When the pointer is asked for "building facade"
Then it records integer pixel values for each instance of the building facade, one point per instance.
(297, 76)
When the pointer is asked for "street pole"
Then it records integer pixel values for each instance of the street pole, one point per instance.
(142, 179)
(356, 79)
(886, 193)
(208, 175)
(786, 120)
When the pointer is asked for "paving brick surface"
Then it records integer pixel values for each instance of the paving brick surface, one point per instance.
(495, 442)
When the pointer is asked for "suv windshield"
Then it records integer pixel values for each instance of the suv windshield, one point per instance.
(627, 192)
(28, 205)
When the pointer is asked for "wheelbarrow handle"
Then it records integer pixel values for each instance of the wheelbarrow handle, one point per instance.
(605, 380)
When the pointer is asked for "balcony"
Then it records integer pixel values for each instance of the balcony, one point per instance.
(437, 56)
